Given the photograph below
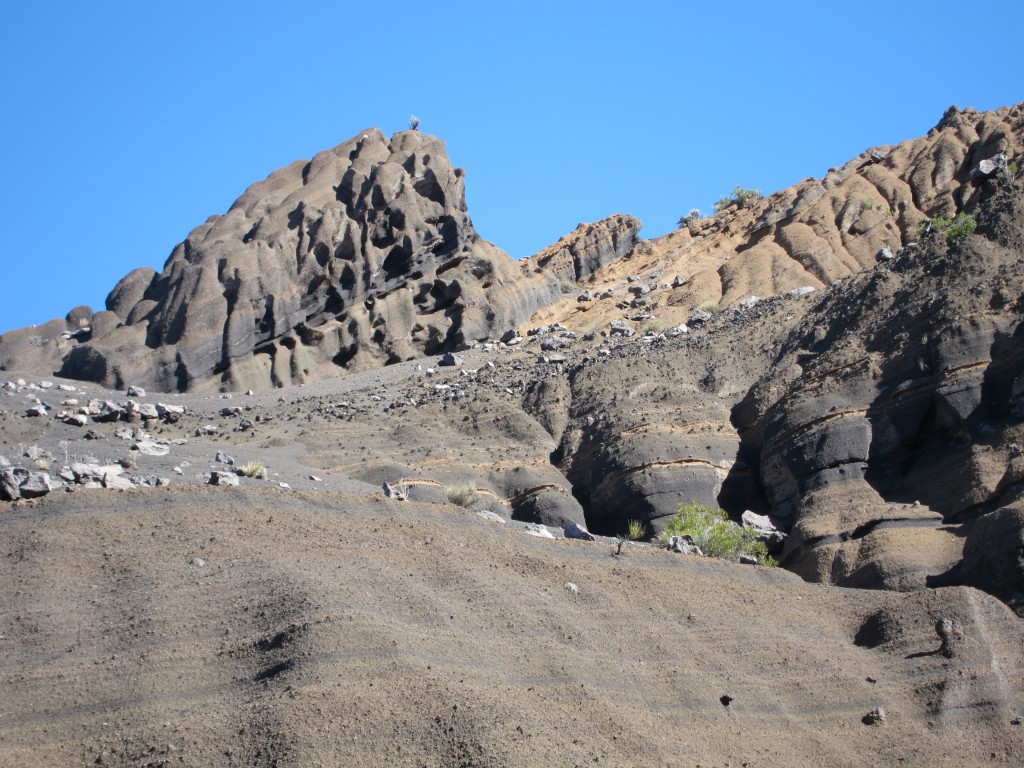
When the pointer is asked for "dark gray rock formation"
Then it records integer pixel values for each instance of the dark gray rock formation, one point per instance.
(363, 256)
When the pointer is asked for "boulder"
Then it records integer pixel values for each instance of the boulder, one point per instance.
(36, 484)
(223, 478)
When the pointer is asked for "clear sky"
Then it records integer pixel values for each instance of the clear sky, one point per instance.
(126, 124)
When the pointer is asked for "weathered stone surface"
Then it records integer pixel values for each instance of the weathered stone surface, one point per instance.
(11, 479)
(362, 256)
(36, 484)
(589, 247)
(576, 531)
(223, 478)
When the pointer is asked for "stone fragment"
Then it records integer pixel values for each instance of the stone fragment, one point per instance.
(109, 411)
(394, 492)
(151, 448)
(450, 359)
(535, 529)
(990, 165)
(223, 478)
(86, 472)
(134, 391)
(36, 410)
(223, 458)
(875, 717)
(76, 419)
(116, 481)
(620, 328)
(797, 293)
(699, 318)
(683, 545)
(760, 523)
(493, 517)
(10, 482)
(143, 410)
(36, 484)
(577, 531)
(885, 254)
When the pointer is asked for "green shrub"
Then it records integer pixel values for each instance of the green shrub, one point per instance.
(739, 196)
(956, 229)
(711, 307)
(693, 215)
(716, 535)
(637, 530)
(566, 286)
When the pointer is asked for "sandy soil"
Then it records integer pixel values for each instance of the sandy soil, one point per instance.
(212, 626)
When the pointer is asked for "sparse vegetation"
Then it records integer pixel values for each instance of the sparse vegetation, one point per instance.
(252, 469)
(739, 197)
(651, 326)
(693, 215)
(867, 205)
(636, 530)
(711, 307)
(566, 286)
(462, 495)
(43, 464)
(716, 535)
(1010, 174)
(956, 229)
(414, 123)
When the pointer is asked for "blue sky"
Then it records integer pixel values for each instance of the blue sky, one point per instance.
(126, 124)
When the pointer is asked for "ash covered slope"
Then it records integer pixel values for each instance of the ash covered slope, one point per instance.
(363, 256)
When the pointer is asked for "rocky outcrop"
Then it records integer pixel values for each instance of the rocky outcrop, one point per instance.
(886, 428)
(812, 233)
(588, 248)
(363, 256)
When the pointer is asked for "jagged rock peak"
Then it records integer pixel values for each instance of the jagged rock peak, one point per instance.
(362, 256)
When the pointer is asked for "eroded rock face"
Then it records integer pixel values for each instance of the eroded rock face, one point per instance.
(363, 256)
(886, 429)
(588, 248)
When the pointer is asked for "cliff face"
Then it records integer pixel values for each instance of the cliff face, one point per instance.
(363, 256)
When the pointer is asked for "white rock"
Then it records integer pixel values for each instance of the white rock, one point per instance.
(491, 516)
(539, 530)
